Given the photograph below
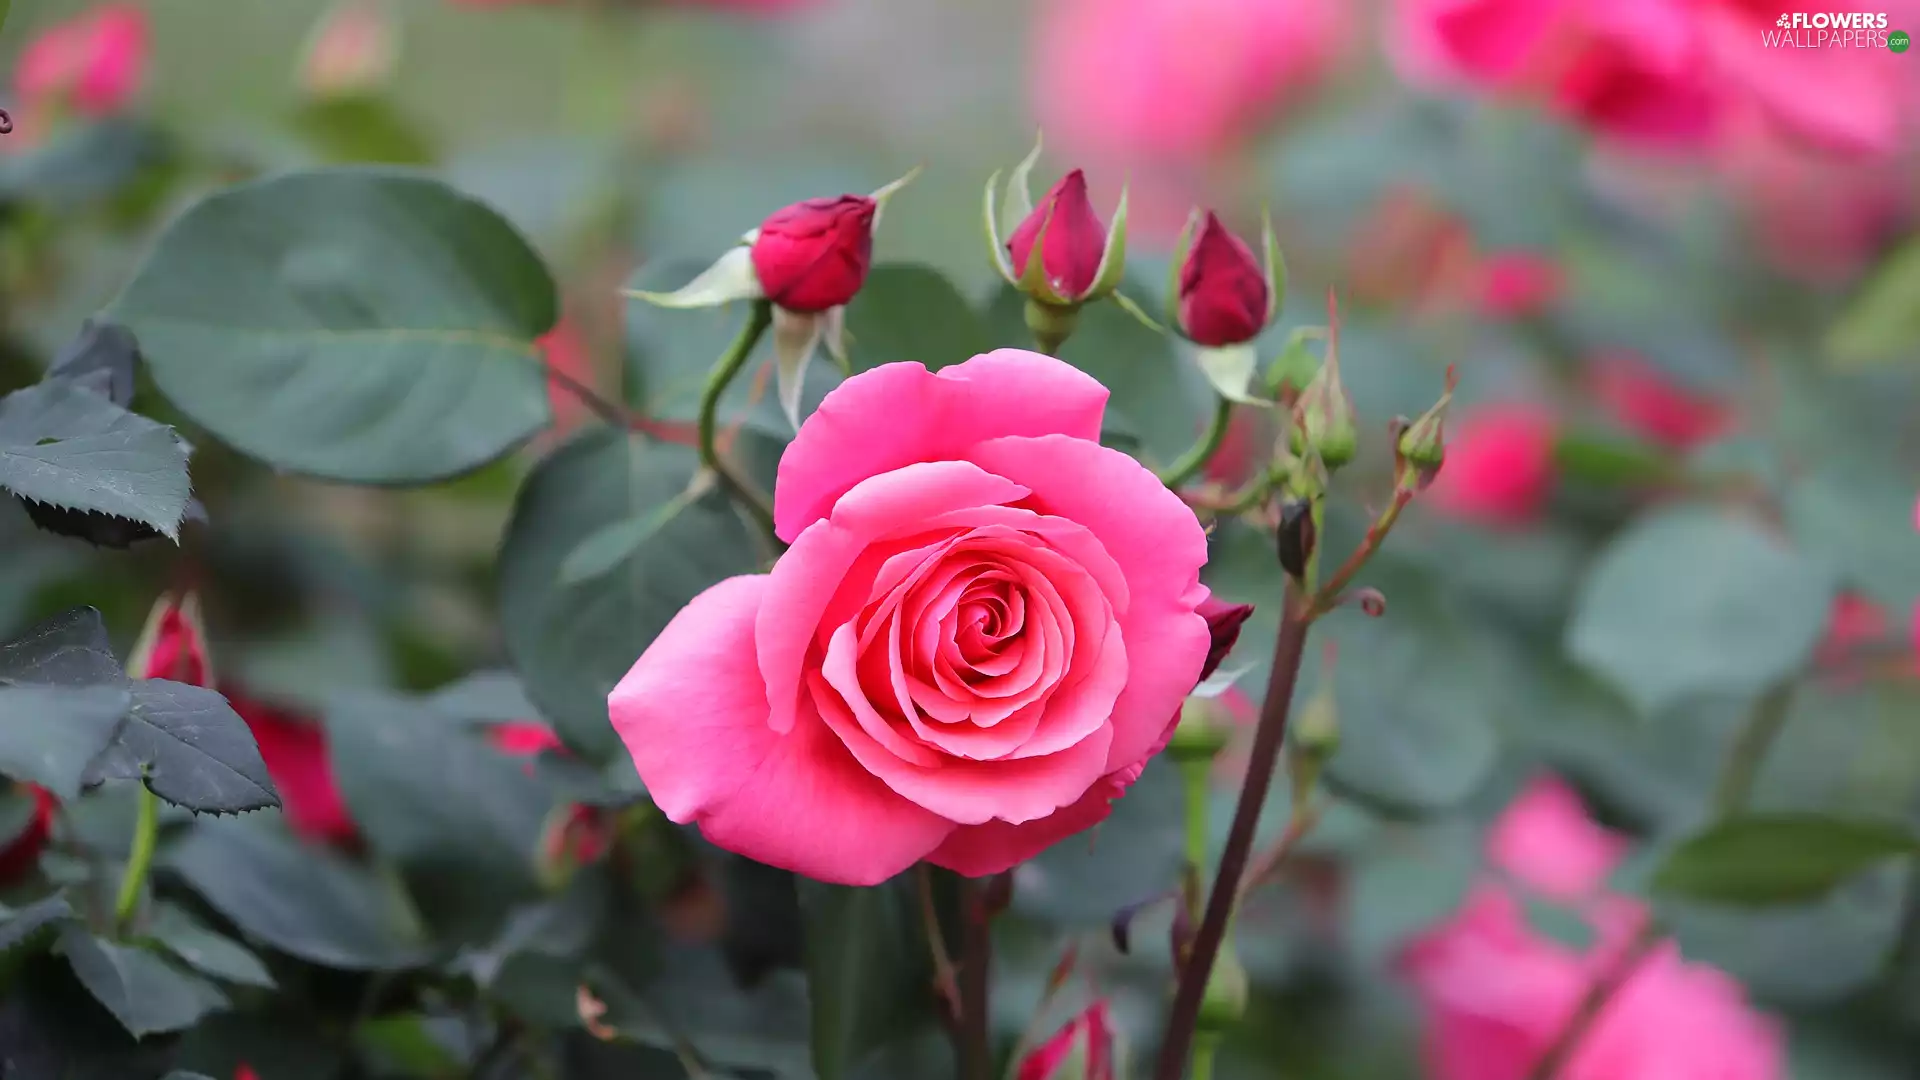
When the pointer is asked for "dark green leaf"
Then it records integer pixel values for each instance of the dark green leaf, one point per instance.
(485, 697)
(1858, 518)
(206, 951)
(1694, 602)
(572, 643)
(145, 993)
(70, 649)
(51, 1026)
(425, 792)
(84, 163)
(1882, 322)
(66, 446)
(191, 747)
(693, 995)
(50, 734)
(868, 972)
(358, 324)
(1407, 880)
(305, 901)
(1779, 858)
(907, 312)
(23, 924)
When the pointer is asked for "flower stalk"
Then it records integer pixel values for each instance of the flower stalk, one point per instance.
(759, 318)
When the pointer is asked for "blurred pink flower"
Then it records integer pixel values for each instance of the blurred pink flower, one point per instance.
(1645, 401)
(353, 50)
(93, 63)
(1546, 841)
(1499, 466)
(1817, 218)
(1516, 284)
(1176, 79)
(1496, 995)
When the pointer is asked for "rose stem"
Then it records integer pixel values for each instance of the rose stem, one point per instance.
(1200, 453)
(1295, 619)
(1744, 757)
(759, 317)
(976, 953)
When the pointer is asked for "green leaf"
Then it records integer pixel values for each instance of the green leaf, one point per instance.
(144, 992)
(573, 641)
(912, 313)
(21, 925)
(1882, 322)
(692, 995)
(1765, 859)
(84, 163)
(425, 792)
(192, 749)
(364, 325)
(1693, 602)
(1858, 517)
(206, 951)
(1408, 880)
(66, 446)
(308, 902)
(868, 970)
(362, 128)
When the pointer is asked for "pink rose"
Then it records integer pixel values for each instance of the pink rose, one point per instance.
(1545, 841)
(1496, 995)
(1646, 402)
(1176, 78)
(1499, 467)
(978, 637)
(1516, 284)
(1818, 218)
(94, 63)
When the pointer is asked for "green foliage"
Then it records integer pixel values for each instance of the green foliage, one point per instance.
(1692, 603)
(1780, 858)
(867, 971)
(355, 324)
(71, 448)
(143, 991)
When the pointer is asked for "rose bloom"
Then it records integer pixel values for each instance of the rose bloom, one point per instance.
(1499, 464)
(984, 628)
(93, 63)
(1496, 994)
(1645, 401)
(1176, 79)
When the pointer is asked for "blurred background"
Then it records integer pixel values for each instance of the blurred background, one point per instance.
(1665, 252)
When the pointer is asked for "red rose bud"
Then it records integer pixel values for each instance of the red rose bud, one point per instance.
(1082, 1050)
(1074, 240)
(1224, 296)
(814, 255)
(294, 749)
(1224, 621)
(173, 645)
(21, 852)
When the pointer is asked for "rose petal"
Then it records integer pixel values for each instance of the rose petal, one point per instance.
(693, 714)
(989, 848)
(899, 414)
(1155, 540)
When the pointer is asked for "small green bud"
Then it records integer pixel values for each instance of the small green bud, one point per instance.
(1422, 447)
(1323, 417)
(1225, 1001)
(1204, 730)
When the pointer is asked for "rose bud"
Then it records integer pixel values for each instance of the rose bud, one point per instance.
(807, 260)
(20, 853)
(1223, 295)
(1078, 260)
(1224, 298)
(1085, 1049)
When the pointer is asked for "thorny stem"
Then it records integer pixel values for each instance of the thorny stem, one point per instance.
(945, 980)
(1295, 620)
(976, 1050)
(759, 317)
(1197, 456)
(146, 835)
(1744, 758)
(1327, 596)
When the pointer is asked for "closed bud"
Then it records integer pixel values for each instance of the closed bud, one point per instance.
(814, 255)
(1224, 297)
(1225, 1001)
(573, 837)
(1224, 621)
(1204, 730)
(1422, 447)
(1296, 537)
(1058, 254)
(1323, 417)
(353, 50)
(1087, 1048)
(173, 644)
